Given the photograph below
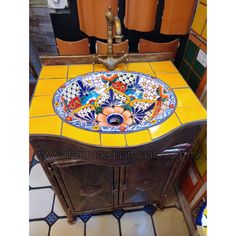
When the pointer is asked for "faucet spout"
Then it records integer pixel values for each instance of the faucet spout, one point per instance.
(118, 36)
(110, 62)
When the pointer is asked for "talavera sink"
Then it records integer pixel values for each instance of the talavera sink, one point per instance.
(116, 101)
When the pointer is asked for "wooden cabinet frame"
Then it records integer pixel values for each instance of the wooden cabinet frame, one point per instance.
(56, 153)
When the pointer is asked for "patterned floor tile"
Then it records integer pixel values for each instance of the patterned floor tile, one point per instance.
(40, 201)
(170, 222)
(103, 225)
(37, 177)
(57, 208)
(137, 223)
(38, 228)
(62, 228)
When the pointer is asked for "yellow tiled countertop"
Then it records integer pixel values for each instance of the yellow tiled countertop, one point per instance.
(44, 121)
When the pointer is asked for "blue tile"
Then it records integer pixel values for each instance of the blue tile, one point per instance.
(150, 209)
(85, 217)
(34, 162)
(118, 213)
(51, 218)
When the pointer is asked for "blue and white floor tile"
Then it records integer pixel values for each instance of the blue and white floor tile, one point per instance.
(47, 218)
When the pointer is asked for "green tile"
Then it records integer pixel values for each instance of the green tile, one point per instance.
(199, 68)
(184, 70)
(193, 81)
(190, 52)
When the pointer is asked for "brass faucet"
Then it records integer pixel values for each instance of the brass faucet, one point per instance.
(110, 62)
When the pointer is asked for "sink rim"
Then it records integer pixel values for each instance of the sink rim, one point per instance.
(161, 82)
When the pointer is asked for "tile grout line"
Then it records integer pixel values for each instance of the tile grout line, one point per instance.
(153, 226)
(42, 116)
(67, 73)
(49, 230)
(53, 202)
(178, 117)
(61, 128)
(85, 228)
(119, 226)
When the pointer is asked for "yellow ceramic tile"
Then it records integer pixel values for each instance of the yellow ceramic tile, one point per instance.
(201, 164)
(190, 114)
(121, 66)
(75, 70)
(142, 67)
(45, 125)
(41, 106)
(80, 135)
(138, 138)
(99, 67)
(204, 32)
(53, 72)
(174, 80)
(163, 67)
(113, 140)
(186, 98)
(159, 130)
(48, 86)
(199, 18)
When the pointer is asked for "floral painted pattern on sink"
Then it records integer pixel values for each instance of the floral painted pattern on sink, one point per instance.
(116, 101)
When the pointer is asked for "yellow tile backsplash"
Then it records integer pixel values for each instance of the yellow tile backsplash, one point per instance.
(80, 135)
(138, 138)
(41, 106)
(171, 123)
(53, 72)
(113, 140)
(48, 86)
(75, 70)
(45, 125)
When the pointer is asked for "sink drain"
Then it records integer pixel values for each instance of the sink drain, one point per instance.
(115, 119)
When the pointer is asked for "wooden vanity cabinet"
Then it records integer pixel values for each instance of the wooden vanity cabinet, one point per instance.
(90, 179)
(86, 186)
(89, 187)
(144, 181)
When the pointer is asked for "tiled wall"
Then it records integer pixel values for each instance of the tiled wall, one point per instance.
(194, 70)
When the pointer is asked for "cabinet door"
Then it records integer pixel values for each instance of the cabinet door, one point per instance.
(86, 186)
(144, 181)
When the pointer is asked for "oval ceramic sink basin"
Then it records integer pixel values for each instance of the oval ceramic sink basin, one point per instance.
(116, 101)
